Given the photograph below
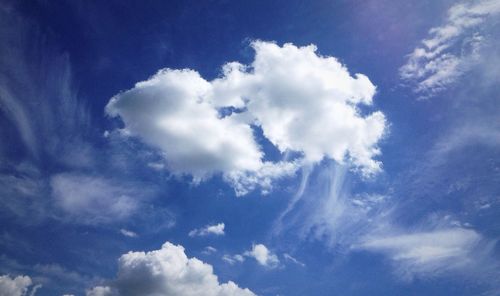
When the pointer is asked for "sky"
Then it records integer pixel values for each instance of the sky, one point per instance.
(240, 148)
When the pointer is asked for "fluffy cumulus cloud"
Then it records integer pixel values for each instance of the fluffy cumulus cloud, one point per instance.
(263, 256)
(216, 229)
(167, 271)
(15, 286)
(430, 253)
(259, 252)
(452, 48)
(302, 101)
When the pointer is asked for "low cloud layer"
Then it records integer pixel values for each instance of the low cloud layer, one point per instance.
(302, 101)
(167, 271)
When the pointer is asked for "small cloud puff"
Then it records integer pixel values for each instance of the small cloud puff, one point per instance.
(216, 229)
(259, 252)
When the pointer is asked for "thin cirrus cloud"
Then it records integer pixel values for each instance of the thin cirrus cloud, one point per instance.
(348, 222)
(128, 233)
(452, 48)
(167, 271)
(216, 229)
(93, 200)
(432, 253)
(300, 99)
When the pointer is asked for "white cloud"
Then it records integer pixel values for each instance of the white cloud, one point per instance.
(15, 286)
(92, 199)
(306, 102)
(100, 291)
(259, 252)
(451, 48)
(128, 233)
(167, 271)
(263, 256)
(330, 213)
(168, 111)
(303, 102)
(216, 229)
(293, 259)
(232, 259)
(428, 253)
(209, 250)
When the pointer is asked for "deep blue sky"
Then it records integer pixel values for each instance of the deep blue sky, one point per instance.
(71, 184)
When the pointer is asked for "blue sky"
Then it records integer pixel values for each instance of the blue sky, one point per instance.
(249, 148)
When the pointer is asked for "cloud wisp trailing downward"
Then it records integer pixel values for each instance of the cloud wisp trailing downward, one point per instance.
(452, 48)
(167, 271)
(302, 101)
(345, 222)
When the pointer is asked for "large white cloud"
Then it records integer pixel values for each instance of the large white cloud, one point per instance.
(303, 102)
(15, 286)
(452, 48)
(167, 271)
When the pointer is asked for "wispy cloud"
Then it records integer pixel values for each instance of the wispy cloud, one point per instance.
(433, 253)
(452, 48)
(93, 199)
(293, 259)
(128, 233)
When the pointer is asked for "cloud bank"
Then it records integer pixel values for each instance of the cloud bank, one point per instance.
(167, 271)
(303, 102)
